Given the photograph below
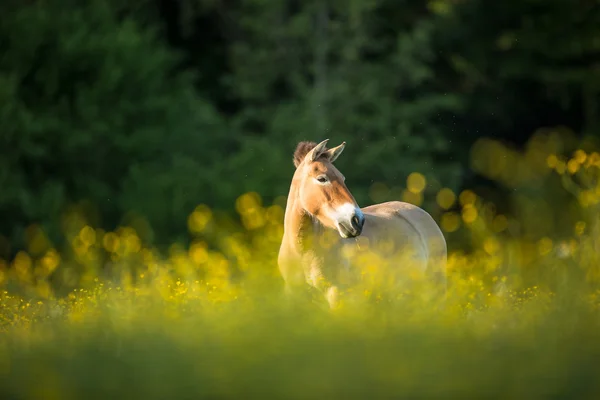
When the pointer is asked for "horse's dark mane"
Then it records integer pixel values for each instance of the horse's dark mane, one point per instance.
(302, 150)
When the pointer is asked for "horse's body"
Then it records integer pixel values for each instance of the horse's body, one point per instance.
(324, 229)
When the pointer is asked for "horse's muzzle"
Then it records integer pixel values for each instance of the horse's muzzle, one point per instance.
(353, 228)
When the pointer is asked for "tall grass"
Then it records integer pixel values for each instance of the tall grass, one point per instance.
(110, 318)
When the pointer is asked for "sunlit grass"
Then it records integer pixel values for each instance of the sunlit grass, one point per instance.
(110, 317)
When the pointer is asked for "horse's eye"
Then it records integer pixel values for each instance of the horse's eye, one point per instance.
(322, 179)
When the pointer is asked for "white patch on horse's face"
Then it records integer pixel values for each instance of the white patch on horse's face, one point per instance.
(343, 216)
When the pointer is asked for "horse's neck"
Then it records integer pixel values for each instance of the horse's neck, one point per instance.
(302, 232)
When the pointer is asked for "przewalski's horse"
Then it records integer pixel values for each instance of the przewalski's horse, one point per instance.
(322, 219)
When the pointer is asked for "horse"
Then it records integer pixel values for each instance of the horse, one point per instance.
(323, 224)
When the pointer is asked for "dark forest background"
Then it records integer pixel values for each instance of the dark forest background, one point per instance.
(135, 112)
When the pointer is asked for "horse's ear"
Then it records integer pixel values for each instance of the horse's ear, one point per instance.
(301, 151)
(308, 151)
(334, 153)
(316, 152)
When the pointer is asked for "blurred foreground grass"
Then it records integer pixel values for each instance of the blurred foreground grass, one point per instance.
(112, 319)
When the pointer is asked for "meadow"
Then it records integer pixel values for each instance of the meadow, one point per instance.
(111, 318)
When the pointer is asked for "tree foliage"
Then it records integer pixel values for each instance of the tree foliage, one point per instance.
(142, 110)
(92, 111)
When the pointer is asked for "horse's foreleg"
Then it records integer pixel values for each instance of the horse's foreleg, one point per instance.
(332, 296)
(317, 280)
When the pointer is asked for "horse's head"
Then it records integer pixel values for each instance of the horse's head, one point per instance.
(321, 189)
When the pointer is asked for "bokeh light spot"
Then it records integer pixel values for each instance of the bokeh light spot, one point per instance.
(412, 197)
(469, 214)
(446, 198)
(450, 222)
(111, 242)
(467, 197)
(199, 219)
(416, 182)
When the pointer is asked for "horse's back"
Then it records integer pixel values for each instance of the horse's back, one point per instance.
(412, 228)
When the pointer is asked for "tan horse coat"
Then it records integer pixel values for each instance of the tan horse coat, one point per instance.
(325, 230)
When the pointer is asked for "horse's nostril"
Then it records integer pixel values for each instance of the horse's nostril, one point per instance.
(356, 222)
